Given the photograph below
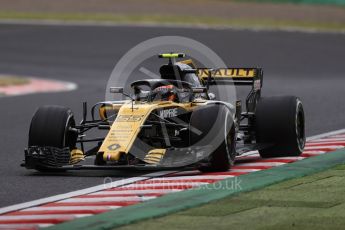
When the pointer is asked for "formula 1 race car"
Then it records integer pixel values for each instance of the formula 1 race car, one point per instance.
(170, 122)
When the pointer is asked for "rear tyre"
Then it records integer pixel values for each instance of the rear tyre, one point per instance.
(280, 124)
(217, 119)
(52, 126)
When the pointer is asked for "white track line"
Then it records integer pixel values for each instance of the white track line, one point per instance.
(320, 147)
(245, 170)
(71, 208)
(165, 185)
(43, 217)
(137, 192)
(262, 164)
(327, 140)
(314, 152)
(24, 226)
(106, 199)
(81, 192)
(332, 133)
(289, 158)
(340, 143)
(186, 178)
(337, 136)
(275, 158)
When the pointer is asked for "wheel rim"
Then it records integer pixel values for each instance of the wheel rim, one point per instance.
(300, 127)
(69, 139)
(228, 139)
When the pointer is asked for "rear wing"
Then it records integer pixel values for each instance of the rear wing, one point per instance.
(235, 76)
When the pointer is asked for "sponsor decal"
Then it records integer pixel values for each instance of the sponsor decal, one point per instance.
(129, 118)
(113, 147)
(167, 113)
(228, 72)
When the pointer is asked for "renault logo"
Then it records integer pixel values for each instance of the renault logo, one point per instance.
(113, 147)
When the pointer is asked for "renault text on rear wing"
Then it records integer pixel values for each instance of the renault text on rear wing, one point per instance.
(236, 76)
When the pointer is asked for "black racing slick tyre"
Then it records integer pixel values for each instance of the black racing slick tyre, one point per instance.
(216, 128)
(280, 126)
(52, 126)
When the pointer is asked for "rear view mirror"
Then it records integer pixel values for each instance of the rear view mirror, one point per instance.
(199, 90)
(116, 90)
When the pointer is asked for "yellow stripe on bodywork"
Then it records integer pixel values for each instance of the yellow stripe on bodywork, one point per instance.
(76, 156)
(155, 156)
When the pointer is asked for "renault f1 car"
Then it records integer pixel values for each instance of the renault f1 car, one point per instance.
(170, 122)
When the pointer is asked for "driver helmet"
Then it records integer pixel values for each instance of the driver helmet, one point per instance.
(166, 93)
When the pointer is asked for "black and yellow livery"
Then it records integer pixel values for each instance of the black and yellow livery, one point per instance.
(170, 122)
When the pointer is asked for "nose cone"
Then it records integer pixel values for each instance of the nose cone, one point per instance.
(114, 156)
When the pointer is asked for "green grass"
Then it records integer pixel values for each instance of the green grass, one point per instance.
(172, 19)
(312, 202)
(11, 80)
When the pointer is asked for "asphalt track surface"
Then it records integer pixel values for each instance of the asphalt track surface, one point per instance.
(308, 65)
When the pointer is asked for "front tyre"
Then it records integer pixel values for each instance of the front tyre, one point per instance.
(52, 127)
(280, 125)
